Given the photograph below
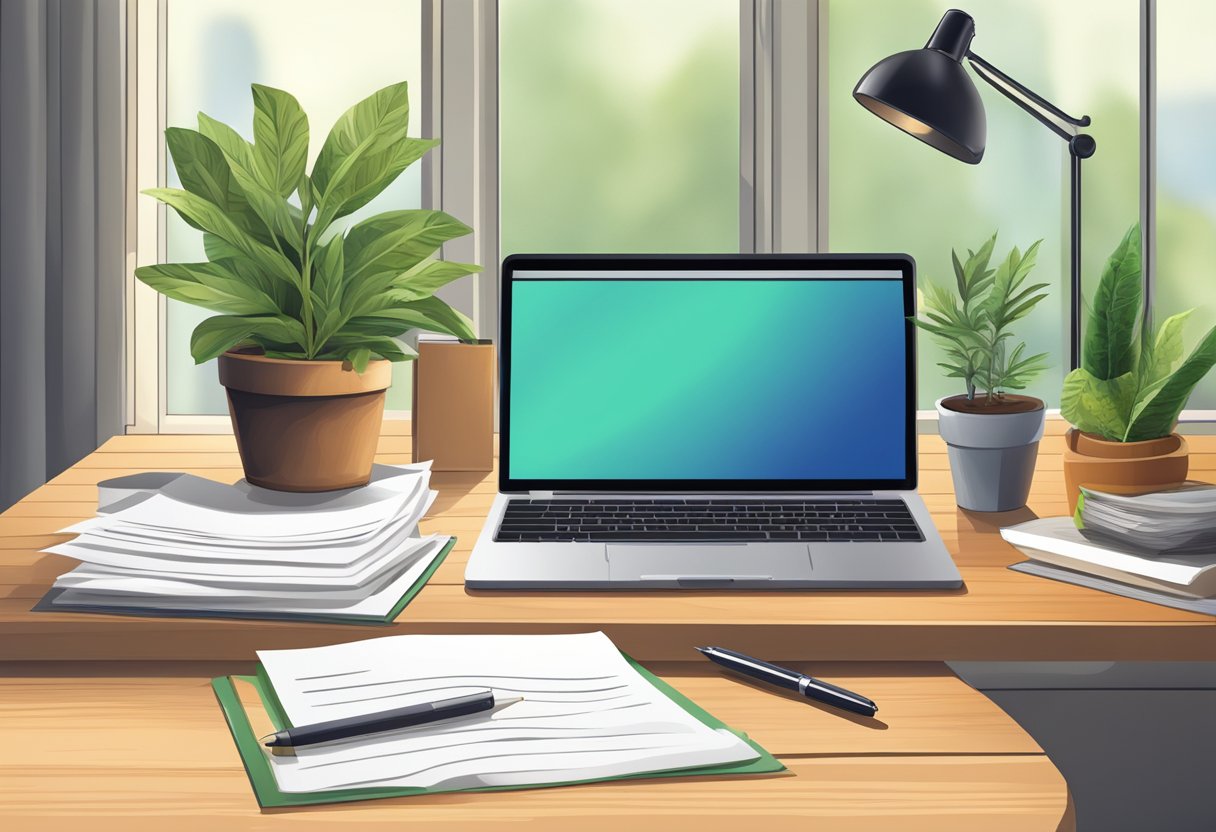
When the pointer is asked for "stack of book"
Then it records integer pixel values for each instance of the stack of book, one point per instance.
(187, 546)
(1163, 542)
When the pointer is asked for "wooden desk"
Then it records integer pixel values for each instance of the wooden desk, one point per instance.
(942, 757)
(998, 615)
(153, 753)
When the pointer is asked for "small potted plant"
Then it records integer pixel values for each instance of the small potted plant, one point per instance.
(310, 313)
(992, 438)
(1124, 400)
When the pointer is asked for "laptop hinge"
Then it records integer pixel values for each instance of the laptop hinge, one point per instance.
(541, 495)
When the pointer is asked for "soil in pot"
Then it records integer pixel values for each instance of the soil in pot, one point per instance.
(304, 425)
(1000, 404)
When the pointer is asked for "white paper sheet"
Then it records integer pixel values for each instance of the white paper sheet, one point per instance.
(108, 542)
(586, 714)
(179, 542)
(162, 513)
(378, 604)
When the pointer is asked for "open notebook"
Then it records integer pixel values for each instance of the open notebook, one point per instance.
(589, 713)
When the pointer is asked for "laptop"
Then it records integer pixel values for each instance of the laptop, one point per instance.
(708, 422)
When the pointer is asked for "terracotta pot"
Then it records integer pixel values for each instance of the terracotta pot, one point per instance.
(304, 425)
(1122, 467)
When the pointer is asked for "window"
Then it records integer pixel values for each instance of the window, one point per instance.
(1186, 174)
(698, 126)
(326, 55)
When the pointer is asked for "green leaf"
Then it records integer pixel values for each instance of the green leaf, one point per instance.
(1109, 348)
(1157, 414)
(1158, 357)
(960, 279)
(213, 220)
(1096, 405)
(358, 358)
(1000, 304)
(216, 335)
(286, 298)
(424, 280)
(976, 274)
(368, 177)
(305, 193)
(384, 347)
(270, 207)
(365, 151)
(429, 315)
(208, 285)
(328, 286)
(387, 245)
(372, 123)
(204, 171)
(280, 132)
(218, 249)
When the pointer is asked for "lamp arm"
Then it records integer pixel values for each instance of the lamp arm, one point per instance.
(1080, 146)
(1003, 84)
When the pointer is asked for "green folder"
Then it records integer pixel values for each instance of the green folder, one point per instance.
(265, 788)
(48, 603)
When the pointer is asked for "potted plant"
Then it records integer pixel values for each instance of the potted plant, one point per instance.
(992, 439)
(310, 312)
(1124, 400)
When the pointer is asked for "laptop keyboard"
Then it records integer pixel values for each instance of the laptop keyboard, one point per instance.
(693, 520)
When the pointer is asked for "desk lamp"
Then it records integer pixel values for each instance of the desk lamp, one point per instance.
(927, 94)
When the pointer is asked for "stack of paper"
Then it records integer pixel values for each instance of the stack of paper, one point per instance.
(193, 546)
(1058, 542)
(587, 714)
(1180, 521)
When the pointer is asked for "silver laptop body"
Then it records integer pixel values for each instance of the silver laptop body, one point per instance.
(708, 422)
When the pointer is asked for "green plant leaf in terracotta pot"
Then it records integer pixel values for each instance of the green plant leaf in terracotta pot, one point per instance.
(310, 314)
(992, 438)
(1124, 400)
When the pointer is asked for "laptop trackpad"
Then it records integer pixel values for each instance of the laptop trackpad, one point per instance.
(709, 564)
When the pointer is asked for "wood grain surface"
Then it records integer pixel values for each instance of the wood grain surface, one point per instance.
(998, 614)
(127, 746)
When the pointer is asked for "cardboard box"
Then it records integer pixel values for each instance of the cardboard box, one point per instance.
(454, 405)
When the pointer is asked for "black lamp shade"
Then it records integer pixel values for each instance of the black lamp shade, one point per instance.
(928, 94)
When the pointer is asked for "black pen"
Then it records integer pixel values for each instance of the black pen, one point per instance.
(407, 717)
(783, 677)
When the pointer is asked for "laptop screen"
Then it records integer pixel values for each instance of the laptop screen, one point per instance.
(740, 378)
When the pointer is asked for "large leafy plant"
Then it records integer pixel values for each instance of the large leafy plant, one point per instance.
(972, 322)
(284, 277)
(1127, 388)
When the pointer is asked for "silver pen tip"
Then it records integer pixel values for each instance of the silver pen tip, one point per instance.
(510, 700)
(704, 649)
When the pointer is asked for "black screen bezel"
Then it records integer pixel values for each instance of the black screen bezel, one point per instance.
(707, 263)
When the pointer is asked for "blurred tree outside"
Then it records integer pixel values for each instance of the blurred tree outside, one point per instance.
(619, 125)
(1186, 173)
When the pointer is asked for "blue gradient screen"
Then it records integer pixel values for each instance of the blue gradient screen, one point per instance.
(748, 378)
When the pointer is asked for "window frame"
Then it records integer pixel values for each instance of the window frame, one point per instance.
(783, 163)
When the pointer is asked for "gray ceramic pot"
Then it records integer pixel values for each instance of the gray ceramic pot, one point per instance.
(992, 456)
